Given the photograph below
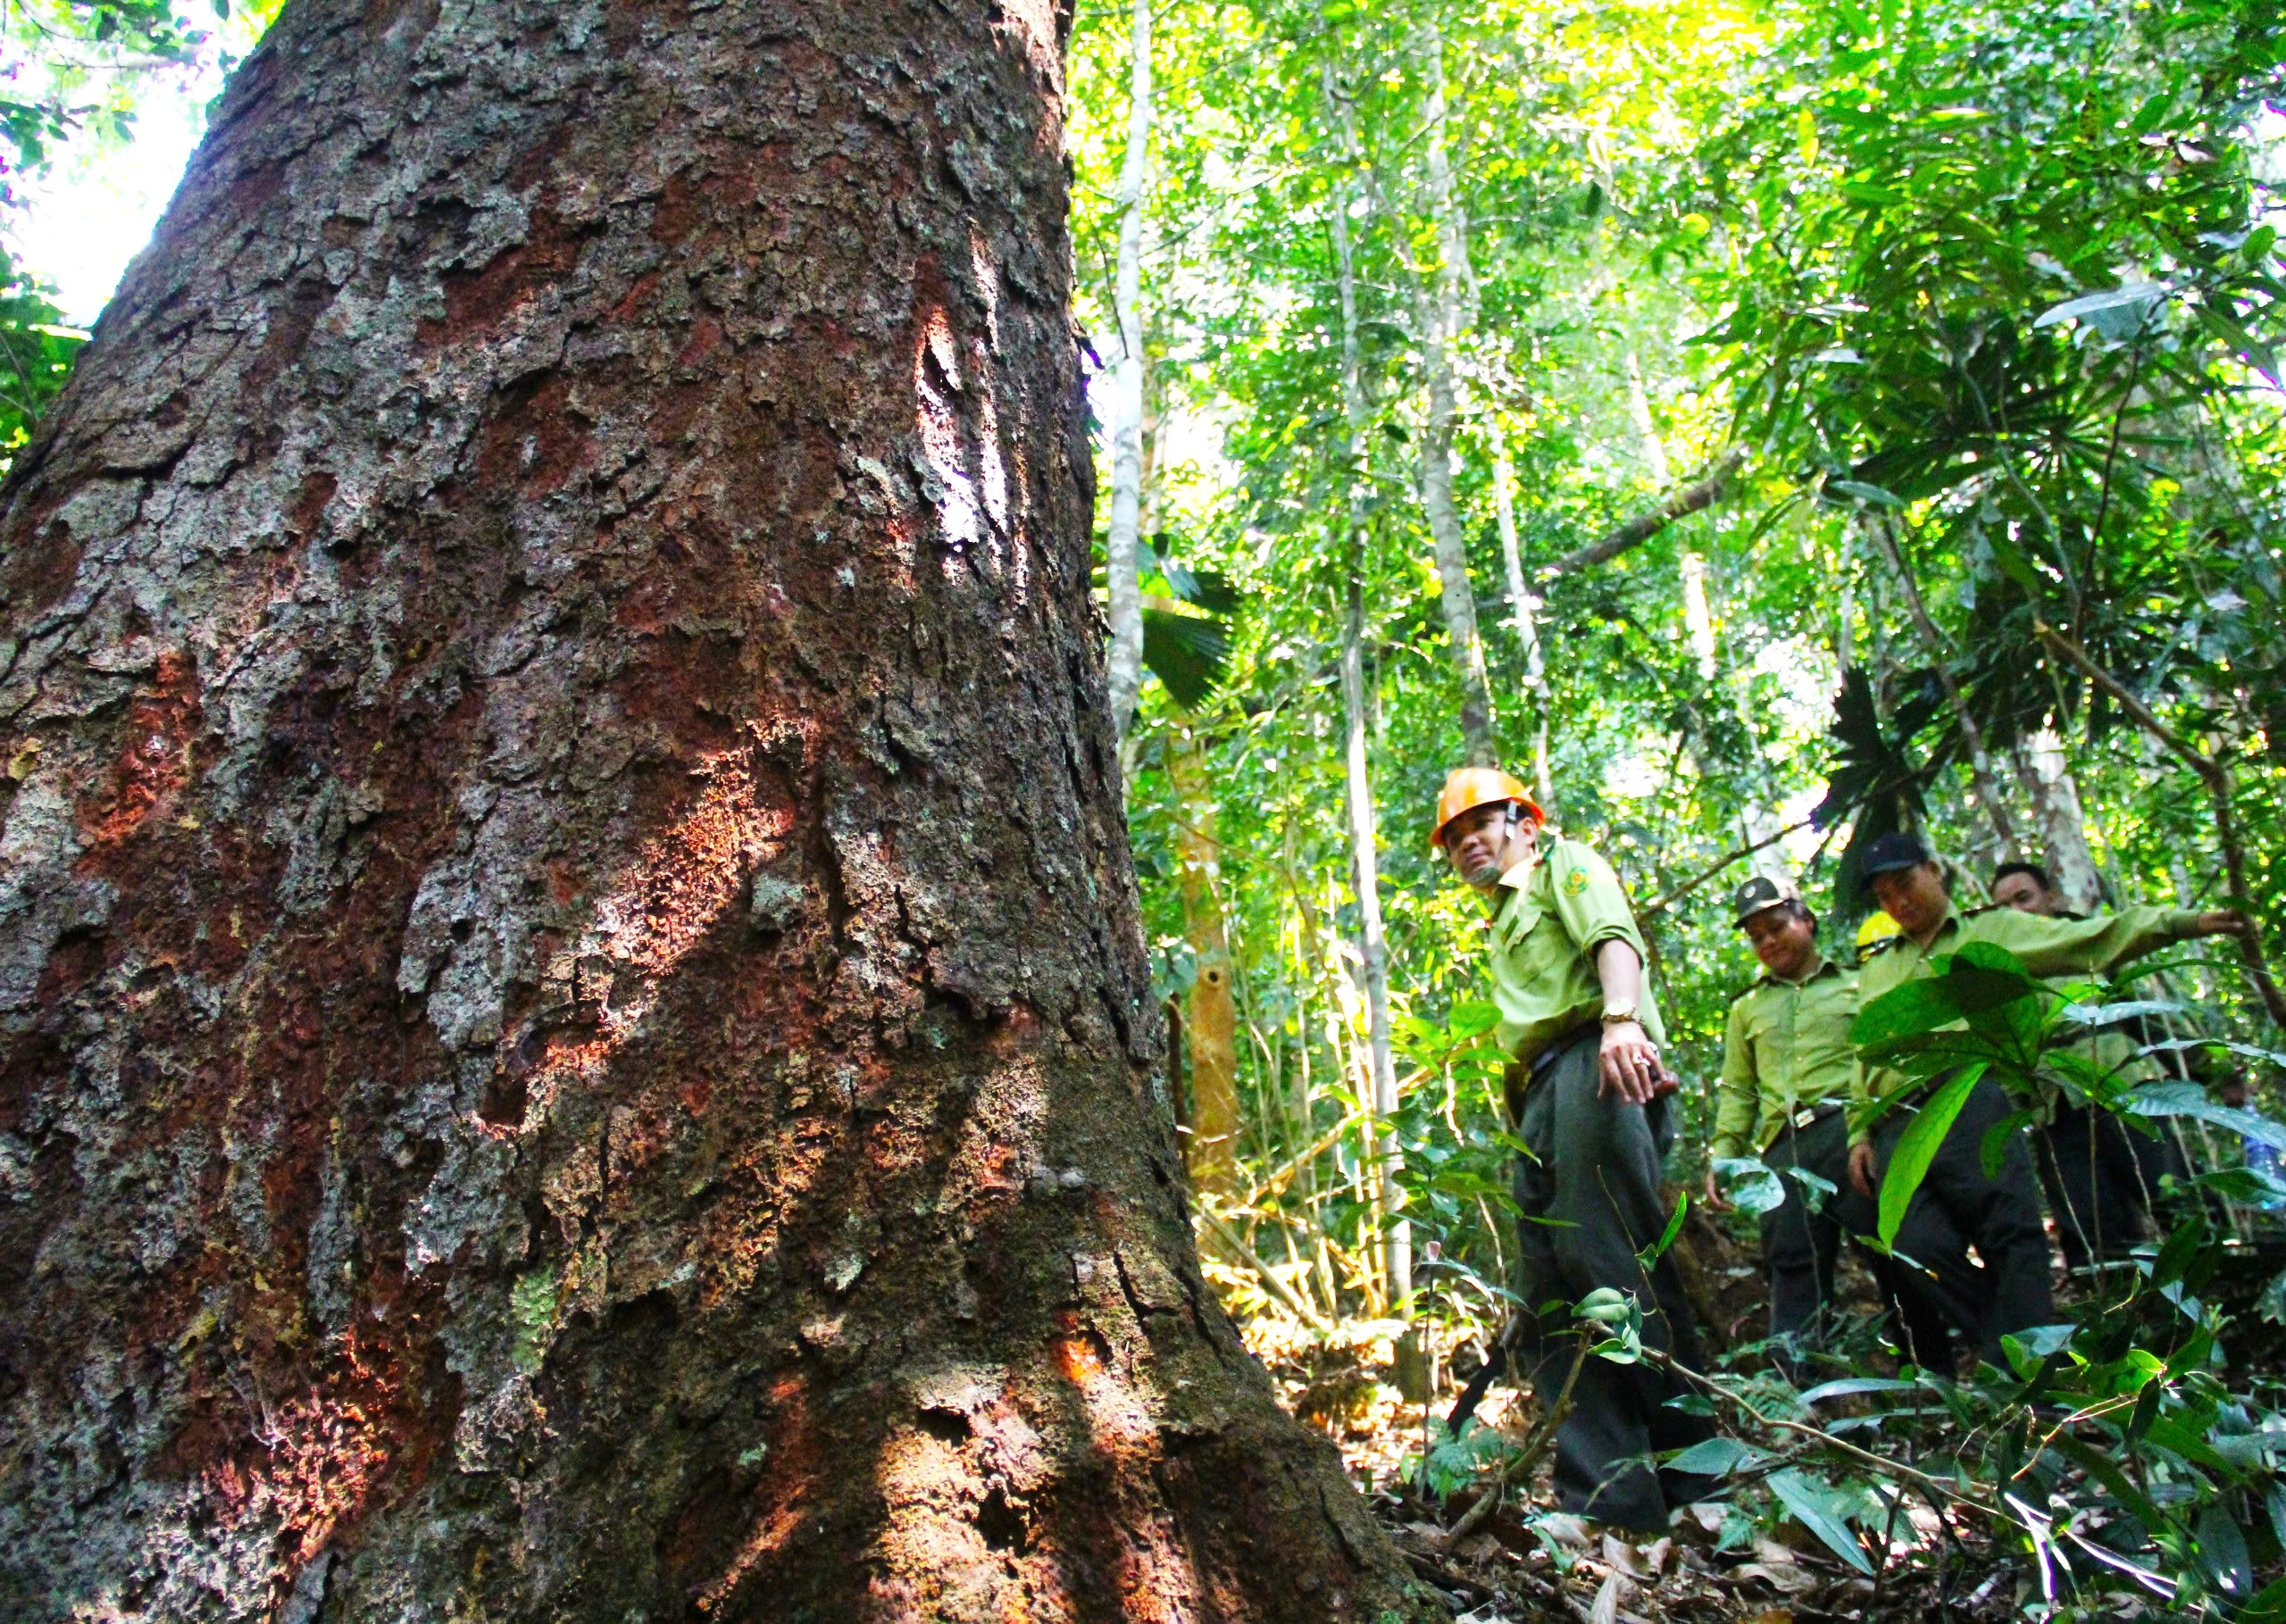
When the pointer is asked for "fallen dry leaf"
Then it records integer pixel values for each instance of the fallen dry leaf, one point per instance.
(1606, 1609)
(1621, 1557)
(1783, 1575)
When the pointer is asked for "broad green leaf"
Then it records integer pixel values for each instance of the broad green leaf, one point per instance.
(1848, 1385)
(1753, 1185)
(2223, 1554)
(1715, 1458)
(2180, 1099)
(2116, 312)
(1653, 1252)
(1917, 1147)
(1804, 1500)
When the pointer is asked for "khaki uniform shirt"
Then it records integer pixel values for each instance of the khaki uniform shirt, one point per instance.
(2046, 947)
(1787, 1048)
(1549, 918)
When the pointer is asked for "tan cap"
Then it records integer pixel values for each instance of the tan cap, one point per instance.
(1759, 896)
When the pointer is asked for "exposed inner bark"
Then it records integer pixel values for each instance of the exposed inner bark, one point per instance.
(577, 1042)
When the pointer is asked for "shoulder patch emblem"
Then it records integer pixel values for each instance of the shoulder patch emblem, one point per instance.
(1575, 882)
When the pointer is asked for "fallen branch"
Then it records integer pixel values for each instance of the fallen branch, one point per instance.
(1819, 1435)
(1536, 1444)
(2221, 790)
(1449, 1578)
(1277, 1181)
(1275, 1287)
(1689, 499)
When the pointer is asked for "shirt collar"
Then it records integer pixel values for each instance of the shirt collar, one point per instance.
(1824, 966)
(1946, 927)
(1511, 885)
(1517, 877)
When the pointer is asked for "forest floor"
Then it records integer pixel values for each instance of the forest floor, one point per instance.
(1523, 1561)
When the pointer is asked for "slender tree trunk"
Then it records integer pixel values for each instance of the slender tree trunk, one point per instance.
(2047, 779)
(1210, 1020)
(1523, 610)
(1364, 859)
(575, 1027)
(1697, 614)
(1441, 306)
(1124, 655)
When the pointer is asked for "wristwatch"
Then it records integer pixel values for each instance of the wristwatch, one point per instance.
(1618, 1014)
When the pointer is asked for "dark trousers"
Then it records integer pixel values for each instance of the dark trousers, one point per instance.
(1588, 1199)
(1956, 1206)
(1801, 1249)
(2100, 1178)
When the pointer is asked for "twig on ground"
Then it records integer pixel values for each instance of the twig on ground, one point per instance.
(1536, 1444)
(1271, 1283)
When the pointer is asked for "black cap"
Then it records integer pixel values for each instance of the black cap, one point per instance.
(1759, 895)
(1887, 853)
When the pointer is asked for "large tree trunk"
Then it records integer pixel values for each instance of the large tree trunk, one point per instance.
(576, 1035)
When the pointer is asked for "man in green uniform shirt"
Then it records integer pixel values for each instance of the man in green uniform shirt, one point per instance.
(1588, 1094)
(2099, 1175)
(1787, 1071)
(1956, 1203)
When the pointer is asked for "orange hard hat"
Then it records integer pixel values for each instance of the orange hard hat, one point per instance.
(1466, 789)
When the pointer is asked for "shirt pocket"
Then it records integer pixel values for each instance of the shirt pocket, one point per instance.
(1515, 923)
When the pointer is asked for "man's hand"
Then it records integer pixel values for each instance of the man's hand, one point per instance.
(1861, 1168)
(1629, 1064)
(2224, 921)
(1715, 1201)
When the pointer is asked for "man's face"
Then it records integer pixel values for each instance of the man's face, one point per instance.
(1914, 897)
(1784, 939)
(1486, 842)
(2023, 893)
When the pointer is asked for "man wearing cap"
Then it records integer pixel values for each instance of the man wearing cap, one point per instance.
(2099, 1176)
(1787, 1071)
(1957, 1202)
(1588, 1096)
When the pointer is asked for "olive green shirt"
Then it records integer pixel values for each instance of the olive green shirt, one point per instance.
(1787, 1047)
(2045, 946)
(1548, 918)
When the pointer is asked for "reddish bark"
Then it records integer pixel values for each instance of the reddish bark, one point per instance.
(576, 1036)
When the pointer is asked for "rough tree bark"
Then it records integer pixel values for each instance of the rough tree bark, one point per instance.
(1124, 655)
(574, 1038)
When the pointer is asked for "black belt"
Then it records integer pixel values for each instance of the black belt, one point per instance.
(1810, 1116)
(1562, 1042)
(1516, 1080)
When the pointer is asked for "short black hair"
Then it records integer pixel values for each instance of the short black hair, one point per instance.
(2038, 875)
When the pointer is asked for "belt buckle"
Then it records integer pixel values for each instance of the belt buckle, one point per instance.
(1804, 1117)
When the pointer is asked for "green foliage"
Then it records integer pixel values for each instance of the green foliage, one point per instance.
(75, 64)
(2115, 1450)
(36, 355)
